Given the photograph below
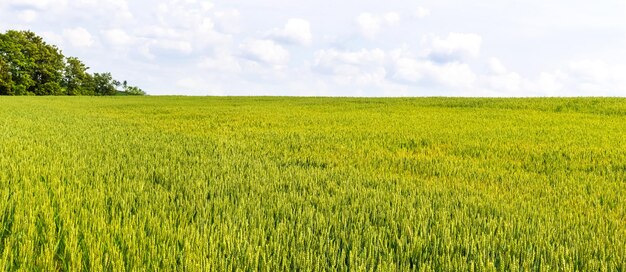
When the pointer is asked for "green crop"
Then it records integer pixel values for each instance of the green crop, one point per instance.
(275, 184)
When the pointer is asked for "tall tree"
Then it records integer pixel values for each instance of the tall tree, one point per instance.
(13, 55)
(133, 90)
(35, 66)
(6, 82)
(76, 80)
(30, 66)
(104, 84)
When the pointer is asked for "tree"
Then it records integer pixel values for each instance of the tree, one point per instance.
(35, 67)
(76, 80)
(30, 66)
(47, 70)
(133, 90)
(6, 82)
(104, 84)
(12, 53)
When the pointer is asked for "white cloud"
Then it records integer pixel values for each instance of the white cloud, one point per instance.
(182, 14)
(358, 67)
(370, 24)
(110, 12)
(496, 66)
(591, 70)
(501, 82)
(550, 84)
(422, 12)
(174, 29)
(358, 58)
(118, 37)
(162, 32)
(296, 31)
(593, 77)
(393, 73)
(222, 61)
(52, 38)
(27, 15)
(453, 74)
(35, 4)
(197, 86)
(159, 40)
(507, 84)
(456, 46)
(578, 78)
(145, 52)
(176, 46)
(391, 18)
(228, 21)
(78, 37)
(193, 84)
(265, 51)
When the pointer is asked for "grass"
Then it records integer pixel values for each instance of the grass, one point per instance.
(274, 184)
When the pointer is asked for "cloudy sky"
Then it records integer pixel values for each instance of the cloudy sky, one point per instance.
(341, 48)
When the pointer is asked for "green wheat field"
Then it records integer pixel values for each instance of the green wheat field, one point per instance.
(312, 184)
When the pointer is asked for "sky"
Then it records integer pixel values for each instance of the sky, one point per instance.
(511, 48)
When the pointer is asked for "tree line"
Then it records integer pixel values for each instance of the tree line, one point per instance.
(30, 66)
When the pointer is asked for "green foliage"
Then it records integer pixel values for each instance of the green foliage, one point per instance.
(129, 90)
(133, 90)
(30, 66)
(33, 66)
(104, 84)
(312, 184)
(6, 82)
(77, 81)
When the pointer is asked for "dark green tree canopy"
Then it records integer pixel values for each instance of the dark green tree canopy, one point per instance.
(30, 66)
